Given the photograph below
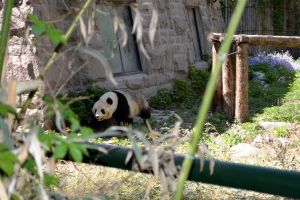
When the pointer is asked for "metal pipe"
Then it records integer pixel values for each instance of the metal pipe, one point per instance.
(260, 179)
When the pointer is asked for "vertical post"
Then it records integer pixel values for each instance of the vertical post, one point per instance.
(241, 98)
(218, 99)
(228, 87)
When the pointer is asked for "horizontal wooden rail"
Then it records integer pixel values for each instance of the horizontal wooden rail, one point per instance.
(261, 40)
(259, 179)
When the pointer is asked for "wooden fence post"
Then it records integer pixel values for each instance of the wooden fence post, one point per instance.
(218, 97)
(241, 97)
(228, 87)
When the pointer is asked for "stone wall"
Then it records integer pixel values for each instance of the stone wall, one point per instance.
(172, 53)
(21, 60)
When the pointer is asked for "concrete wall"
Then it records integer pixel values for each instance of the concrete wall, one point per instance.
(172, 53)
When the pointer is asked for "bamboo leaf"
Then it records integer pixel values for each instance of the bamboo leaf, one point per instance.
(152, 26)
(75, 152)
(5, 109)
(6, 132)
(83, 29)
(61, 151)
(56, 36)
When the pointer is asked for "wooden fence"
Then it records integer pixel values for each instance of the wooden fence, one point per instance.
(270, 17)
(225, 92)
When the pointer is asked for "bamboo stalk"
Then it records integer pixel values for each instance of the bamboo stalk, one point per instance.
(5, 33)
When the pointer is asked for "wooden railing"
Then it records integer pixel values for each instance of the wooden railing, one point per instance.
(235, 101)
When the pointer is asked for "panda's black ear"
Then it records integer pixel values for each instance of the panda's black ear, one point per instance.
(109, 101)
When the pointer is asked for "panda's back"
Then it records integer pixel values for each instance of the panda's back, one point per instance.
(130, 106)
(122, 112)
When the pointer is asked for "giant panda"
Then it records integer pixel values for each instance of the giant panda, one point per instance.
(121, 106)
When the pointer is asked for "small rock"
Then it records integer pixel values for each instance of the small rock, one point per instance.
(262, 139)
(271, 125)
(283, 141)
(259, 75)
(202, 65)
(243, 150)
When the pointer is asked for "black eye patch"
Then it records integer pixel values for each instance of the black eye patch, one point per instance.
(95, 111)
(109, 101)
(102, 110)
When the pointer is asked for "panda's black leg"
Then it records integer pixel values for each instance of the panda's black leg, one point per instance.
(130, 121)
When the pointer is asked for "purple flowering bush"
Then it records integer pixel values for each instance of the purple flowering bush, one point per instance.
(273, 60)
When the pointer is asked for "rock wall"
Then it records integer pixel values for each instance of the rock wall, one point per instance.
(21, 60)
(170, 57)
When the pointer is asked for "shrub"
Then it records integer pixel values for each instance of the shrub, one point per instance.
(256, 89)
(198, 79)
(273, 60)
(183, 91)
(162, 99)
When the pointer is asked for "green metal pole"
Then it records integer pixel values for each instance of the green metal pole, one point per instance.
(5, 33)
(260, 179)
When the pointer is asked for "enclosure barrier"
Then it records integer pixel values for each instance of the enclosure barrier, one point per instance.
(225, 92)
(259, 179)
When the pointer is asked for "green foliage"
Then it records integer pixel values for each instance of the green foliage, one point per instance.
(218, 120)
(41, 27)
(50, 180)
(184, 91)
(5, 109)
(232, 138)
(162, 99)
(83, 107)
(261, 67)
(278, 17)
(281, 131)
(8, 159)
(256, 89)
(62, 147)
(252, 129)
(198, 79)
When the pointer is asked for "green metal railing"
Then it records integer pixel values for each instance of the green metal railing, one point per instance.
(260, 179)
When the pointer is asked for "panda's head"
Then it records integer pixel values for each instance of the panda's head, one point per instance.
(105, 107)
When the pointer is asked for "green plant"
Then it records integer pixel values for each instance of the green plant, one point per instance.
(162, 99)
(278, 17)
(232, 138)
(183, 92)
(198, 79)
(256, 89)
(282, 131)
(83, 106)
(252, 129)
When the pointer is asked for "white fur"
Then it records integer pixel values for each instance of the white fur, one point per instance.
(102, 104)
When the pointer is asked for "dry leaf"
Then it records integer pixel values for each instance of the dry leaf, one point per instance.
(152, 26)
(3, 194)
(211, 167)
